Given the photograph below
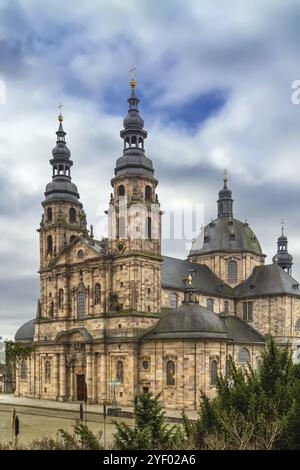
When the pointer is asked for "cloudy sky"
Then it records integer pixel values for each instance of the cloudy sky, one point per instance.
(215, 83)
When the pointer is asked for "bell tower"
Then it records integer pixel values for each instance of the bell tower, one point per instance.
(134, 214)
(63, 217)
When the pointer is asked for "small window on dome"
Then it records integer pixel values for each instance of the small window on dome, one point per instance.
(232, 237)
(232, 271)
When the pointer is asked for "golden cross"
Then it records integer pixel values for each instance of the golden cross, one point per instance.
(132, 70)
(225, 178)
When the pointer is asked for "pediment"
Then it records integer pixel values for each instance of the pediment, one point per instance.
(79, 250)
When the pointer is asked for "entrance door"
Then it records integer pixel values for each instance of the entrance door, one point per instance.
(81, 388)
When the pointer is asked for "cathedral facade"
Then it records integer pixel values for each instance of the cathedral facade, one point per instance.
(116, 318)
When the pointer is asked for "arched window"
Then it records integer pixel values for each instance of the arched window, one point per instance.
(133, 140)
(126, 142)
(60, 169)
(72, 215)
(47, 371)
(80, 304)
(97, 294)
(60, 298)
(51, 310)
(148, 193)
(23, 370)
(121, 190)
(297, 325)
(210, 304)
(170, 372)
(173, 300)
(121, 227)
(72, 237)
(141, 145)
(49, 244)
(49, 214)
(213, 372)
(232, 271)
(148, 231)
(243, 356)
(120, 371)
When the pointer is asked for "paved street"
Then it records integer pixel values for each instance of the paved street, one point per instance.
(43, 418)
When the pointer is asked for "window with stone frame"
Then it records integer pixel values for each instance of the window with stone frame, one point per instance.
(210, 304)
(248, 311)
(170, 373)
(148, 193)
(23, 374)
(72, 215)
(243, 356)
(97, 294)
(47, 371)
(49, 244)
(49, 214)
(173, 300)
(60, 298)
(213, 372)
(120, 371)
(148, 228)
(232, 268)
(80, 304)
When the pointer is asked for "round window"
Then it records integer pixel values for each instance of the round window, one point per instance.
(145, 365)
(80, 254)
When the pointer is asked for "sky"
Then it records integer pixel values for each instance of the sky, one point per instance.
(215, 83)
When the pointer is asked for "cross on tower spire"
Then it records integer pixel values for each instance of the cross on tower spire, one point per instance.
(132, 81)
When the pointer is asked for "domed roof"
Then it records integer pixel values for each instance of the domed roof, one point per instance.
(226, 234)
(25, 332)
(61, 151)
(190, 320)
(61, 189)
(133, 118)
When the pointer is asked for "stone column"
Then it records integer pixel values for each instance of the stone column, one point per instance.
(17, 391)
(66, 296)
(56, 376)
(92, 293)
(95, 378)
(71, 383)
(102, 382)
(38, 375)
(62, 376)
(55, 308)
(89, 377)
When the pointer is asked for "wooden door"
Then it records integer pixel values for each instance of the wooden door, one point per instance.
(81, 388)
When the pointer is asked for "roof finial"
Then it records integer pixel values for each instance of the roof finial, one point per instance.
(60, 117)
(282, 226)
(132, 81)
(225, 178)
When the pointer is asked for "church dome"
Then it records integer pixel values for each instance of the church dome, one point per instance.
(190, 320)
(25, 332)
(61, 189)
(133, 119)
(226, 234)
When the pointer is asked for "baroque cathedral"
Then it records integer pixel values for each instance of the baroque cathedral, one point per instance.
(116, 318)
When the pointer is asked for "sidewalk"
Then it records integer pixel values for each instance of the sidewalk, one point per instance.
(124, 411)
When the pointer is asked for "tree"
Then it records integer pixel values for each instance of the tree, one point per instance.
(151, 430)
(15, 353)
(252, 409)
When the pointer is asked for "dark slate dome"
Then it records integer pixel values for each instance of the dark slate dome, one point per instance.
(133, 119)
(190, 320)
(25, 332)
(226, 234)
(61, 189)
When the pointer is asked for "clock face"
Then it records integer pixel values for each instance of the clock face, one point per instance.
(121, 247)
